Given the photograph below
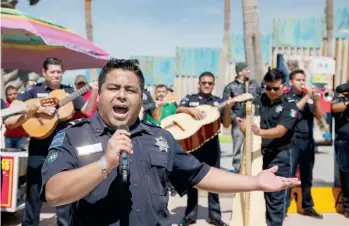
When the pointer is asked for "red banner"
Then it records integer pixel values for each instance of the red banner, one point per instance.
(7, 167)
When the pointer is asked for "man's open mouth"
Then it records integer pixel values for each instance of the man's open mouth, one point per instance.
(120, 109)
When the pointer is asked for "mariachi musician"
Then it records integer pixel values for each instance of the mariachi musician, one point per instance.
(303, 153)
(209, 152)
(38, 148)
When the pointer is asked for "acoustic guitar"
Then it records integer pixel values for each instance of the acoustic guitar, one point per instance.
(21, 107)
(192, 133)
(249, 207)
(42, 125)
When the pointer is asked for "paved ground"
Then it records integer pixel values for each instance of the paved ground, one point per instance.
(323, 173)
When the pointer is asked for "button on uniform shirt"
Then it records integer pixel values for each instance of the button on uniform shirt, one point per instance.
(156, 158)
(306, 115)
(282, 112)
(341, 118)
(41, 90)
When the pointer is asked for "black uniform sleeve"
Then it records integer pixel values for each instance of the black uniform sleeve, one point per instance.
(78, 102)
(3, 104)
(288, 115)
(187, 171)
(336, 99)
(226, 92)
(61, 157)
(26, 94)
(185, 101)
(148, 103)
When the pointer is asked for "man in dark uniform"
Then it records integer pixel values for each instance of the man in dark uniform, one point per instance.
(340, 111)
(210, 152)
(304, 150)
(277, 119)
(38, 148)
(241, 84)
(82, 167)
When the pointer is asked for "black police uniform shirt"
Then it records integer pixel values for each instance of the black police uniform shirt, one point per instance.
(156, 158)
(193, 100)
(148, 102)
(282, 112)
(306, 115)
(341, 118)
(39, 147)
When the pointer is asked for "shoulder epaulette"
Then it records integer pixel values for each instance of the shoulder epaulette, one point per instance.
(77, 122)
(150, 124)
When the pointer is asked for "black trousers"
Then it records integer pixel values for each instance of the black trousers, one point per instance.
(209, 153)
(276, 205)
(33, 203)
(342, 147)
(304, 156)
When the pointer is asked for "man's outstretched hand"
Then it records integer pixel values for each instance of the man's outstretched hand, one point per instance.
(267, 181)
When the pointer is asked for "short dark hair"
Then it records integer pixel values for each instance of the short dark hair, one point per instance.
(206, 73)
(161, 86)
(293, 73)
(127, 65)
(9, 88)
(52, 61)
(170, 89)
(274, 75)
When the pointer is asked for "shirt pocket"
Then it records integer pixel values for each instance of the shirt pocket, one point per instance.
(158, 172)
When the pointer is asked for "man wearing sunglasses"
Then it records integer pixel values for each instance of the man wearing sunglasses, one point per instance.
(278, 116)
(241, 84)
(210, 152)
(304, 151)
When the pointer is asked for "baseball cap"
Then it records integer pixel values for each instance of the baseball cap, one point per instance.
(80, 78)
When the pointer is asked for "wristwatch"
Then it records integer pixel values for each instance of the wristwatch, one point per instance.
(103, 167)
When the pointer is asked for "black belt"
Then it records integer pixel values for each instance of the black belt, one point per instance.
(303, 136)
(277, 149)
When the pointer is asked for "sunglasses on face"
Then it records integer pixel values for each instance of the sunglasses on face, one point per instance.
(276, 89)
(208, 83)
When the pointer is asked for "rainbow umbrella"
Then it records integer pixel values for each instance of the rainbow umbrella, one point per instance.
(27, 41)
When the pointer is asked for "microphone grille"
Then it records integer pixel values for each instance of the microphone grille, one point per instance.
(124, 127)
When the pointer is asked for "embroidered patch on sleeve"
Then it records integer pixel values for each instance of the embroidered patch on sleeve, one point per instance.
(293, 113)
(52, 157)
(57, 140)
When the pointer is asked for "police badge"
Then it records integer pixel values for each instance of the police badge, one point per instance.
(162, 144)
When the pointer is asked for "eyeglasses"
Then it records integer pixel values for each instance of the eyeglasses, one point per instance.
(208, 83)
(276, 89)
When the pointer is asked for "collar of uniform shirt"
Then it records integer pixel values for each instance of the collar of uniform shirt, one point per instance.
(268, 101)
(205, 96)
(99, 127)
(295, 94)
(48, 88)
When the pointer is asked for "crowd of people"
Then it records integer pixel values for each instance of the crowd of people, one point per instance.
(77, 168)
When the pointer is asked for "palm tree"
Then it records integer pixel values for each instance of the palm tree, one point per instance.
(225, 54)
(89, 29)
(252, 39)
(329, 27)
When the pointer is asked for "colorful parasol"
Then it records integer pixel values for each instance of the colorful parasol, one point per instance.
(27, 41)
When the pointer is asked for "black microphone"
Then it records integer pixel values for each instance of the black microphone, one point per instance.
(124, 166)
(344, 88)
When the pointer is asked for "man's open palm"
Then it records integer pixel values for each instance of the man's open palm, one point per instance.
(269, 182)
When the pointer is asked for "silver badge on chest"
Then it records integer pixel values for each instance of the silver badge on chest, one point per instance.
(278, 109)
(162, 144)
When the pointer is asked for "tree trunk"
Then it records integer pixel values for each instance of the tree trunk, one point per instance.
(89, 29)
(252, 39)
(329, 27)
(225, 53)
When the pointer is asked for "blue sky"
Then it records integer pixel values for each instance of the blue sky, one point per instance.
(156, 27)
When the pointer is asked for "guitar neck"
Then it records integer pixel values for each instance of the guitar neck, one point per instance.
(74, 95)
